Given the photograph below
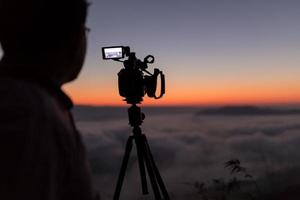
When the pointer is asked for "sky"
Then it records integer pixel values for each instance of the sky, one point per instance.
(212, 52)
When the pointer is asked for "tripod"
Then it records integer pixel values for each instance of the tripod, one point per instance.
(145, 157)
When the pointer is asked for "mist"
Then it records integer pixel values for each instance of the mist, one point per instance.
(190, 147)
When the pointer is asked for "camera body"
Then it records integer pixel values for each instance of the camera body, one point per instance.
(132, 82)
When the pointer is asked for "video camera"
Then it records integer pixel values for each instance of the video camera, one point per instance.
(133, 84)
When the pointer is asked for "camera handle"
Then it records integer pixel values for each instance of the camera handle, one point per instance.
(151, 82)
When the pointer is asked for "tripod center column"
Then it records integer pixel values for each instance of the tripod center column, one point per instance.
(135, 116)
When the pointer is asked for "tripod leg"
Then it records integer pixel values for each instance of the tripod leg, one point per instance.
(150, 169)
(140, 154)
(156, 171)
(123, 168)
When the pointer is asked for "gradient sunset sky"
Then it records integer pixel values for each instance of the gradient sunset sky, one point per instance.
(212, 52)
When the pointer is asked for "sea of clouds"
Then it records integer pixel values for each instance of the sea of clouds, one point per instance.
(189, 147)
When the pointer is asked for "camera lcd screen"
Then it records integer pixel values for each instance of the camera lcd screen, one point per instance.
(112, 52)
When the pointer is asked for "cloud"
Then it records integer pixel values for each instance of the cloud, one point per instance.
(188, 148)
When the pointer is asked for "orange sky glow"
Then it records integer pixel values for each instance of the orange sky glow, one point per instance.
(234, 95)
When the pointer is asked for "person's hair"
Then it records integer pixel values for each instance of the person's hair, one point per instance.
(39, 25)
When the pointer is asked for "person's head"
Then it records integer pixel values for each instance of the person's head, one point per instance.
(44, 37)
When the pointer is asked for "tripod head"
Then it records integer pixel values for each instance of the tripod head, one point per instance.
(132, 81)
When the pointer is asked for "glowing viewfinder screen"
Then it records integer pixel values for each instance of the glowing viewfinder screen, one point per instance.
(113, 53)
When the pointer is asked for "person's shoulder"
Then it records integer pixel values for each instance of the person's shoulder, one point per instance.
(24, 103)
(21, 94)
(18, 108)
(21, 97)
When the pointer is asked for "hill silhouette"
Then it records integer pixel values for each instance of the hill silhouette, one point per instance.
(248, 110)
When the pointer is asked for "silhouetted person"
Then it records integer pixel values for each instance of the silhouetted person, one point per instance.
(41, 153)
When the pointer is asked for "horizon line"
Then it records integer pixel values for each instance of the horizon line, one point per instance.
(192, 105)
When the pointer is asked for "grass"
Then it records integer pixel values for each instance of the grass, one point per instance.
(241, 185)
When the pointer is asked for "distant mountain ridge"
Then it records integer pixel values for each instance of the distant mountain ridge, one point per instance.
(94, 113)
(248, 110)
